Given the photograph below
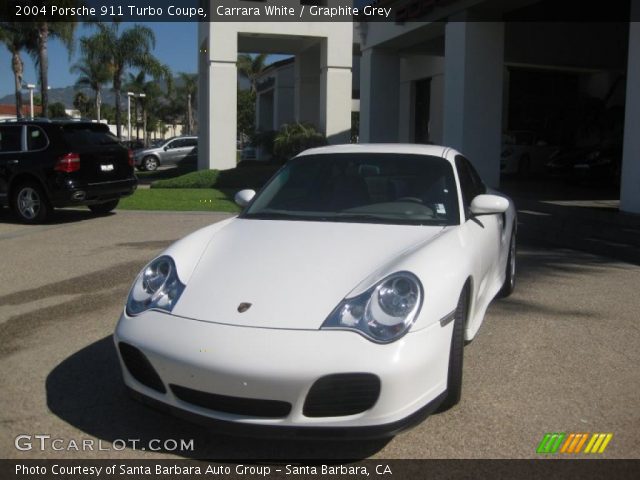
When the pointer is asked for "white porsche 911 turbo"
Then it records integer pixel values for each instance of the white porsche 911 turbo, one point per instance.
(338, 301)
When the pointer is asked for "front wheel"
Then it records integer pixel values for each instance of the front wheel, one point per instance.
(509, 284)
(103, 208)
(30, 204)
(456, 353)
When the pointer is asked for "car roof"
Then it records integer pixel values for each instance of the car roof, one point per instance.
(406, 148)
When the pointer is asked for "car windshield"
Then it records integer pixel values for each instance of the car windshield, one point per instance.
(361, 187)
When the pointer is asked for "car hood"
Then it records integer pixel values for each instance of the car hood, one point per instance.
(293, 273)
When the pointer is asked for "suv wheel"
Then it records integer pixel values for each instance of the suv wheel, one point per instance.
(30, 203)
(104, 208)
(150, 163)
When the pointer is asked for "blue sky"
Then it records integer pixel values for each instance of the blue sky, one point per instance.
(176, 46)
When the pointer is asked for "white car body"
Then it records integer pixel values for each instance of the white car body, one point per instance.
(294, 274)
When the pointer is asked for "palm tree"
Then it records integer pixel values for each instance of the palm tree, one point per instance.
(152, 92)
(93, 73)
(189, 89)
(41, 32)
(124, 49)
(252, 67)
(15, 36)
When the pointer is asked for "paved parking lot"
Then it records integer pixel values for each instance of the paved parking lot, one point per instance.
(560, 355)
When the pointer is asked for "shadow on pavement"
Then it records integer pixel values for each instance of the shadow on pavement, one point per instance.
(86, 390)
(60, 216)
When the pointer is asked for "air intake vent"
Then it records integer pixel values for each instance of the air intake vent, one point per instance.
(342, 394)
(250, 407)
(140, 368)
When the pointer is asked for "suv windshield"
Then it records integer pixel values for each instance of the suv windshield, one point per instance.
(361, 187)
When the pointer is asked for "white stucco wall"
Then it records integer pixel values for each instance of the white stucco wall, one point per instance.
(218, 73)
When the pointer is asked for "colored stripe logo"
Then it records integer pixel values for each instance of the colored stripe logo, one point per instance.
(573, 443)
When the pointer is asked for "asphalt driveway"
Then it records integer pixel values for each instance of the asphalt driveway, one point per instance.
(560, 355)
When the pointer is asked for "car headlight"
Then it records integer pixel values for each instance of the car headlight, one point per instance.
(383, 313)
(157, 287)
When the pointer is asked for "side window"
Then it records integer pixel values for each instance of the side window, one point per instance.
(190, 142)
(10, 138)
(173, 144)
(471, 184)
(466, 182)
(478, 184)
(36, 138)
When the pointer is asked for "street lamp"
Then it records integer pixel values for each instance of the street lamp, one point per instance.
(129, 95)
(31, 87)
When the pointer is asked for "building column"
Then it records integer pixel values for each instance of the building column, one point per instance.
(629, 191)
(474, 59)
(335, 90)
(307, 86)
(219, 113)
(379, 96)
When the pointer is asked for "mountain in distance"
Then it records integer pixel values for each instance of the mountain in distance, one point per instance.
(66, 95)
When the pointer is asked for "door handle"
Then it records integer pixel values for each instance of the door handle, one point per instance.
(12, 162)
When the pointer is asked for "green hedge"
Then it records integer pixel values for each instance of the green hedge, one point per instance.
(240, 177)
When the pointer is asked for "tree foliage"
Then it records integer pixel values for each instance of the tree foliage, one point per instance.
(246, 112)
(251, 67)
(127, 48)
(295, 138)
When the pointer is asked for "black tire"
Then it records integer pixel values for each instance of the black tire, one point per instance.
(509, 284)
(456, 354)
(30, 204)
(104, 208)
(150, 163)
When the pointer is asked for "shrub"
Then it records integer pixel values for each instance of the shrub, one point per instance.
(234, 178)
(295, 138)
(198, 179)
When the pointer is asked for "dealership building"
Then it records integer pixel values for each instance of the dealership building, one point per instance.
(451, 72)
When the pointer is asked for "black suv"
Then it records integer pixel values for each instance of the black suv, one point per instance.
(46, 164)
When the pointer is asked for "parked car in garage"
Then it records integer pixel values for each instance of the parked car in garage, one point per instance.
(170, 152)
(562, 160)
(338, 302)
(523, 153)
(48, 164)
(601, 165)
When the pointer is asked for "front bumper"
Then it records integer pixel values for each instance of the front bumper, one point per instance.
(283, 365)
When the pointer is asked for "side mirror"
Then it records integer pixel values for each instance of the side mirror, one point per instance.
(489, 204)
(166, 147)
(243, 197)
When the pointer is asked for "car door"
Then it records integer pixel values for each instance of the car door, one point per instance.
(11, 146)
(183, 147)
(171, 152)
(481, 233)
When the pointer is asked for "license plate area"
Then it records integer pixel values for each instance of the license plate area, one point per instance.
(107, 167)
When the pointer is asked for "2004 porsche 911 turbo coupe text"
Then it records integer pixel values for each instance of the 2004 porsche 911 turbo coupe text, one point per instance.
(338, 302)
